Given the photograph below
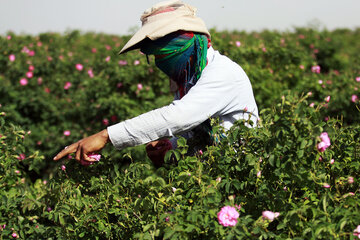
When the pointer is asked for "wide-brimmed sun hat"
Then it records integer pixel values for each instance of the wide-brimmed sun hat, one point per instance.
(164, 18)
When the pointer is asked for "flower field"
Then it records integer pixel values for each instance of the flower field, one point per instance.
(295, 176)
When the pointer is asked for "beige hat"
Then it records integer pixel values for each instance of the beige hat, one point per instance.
(164, 18)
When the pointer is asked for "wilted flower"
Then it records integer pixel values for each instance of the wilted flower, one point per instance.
(354, 98)
(67, 133)
(228, 216)
(12, 57)
(79, 67)
(23, 81)
(270, 215)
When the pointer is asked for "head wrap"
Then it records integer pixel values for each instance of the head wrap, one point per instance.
(180, 55)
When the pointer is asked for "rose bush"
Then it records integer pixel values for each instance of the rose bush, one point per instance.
(291, 180)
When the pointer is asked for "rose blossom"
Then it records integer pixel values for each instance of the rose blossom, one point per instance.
(357, 231)
(354, 98)
(327, 99)
(357, 79)
(23, 81)
(95, 157)
(139, 86)
(332, 161)
(31, 68)
(238, 43)
(315, 69)
(12, 57)
(67, 85)
(29, 75)
(228, 216)
(350, 180)
(326, 185)
(63, 167)
(67, 133)
(136, 62)
(270, 215)
(325, 142)
(90, 72)
(79, 67)
(14, 235)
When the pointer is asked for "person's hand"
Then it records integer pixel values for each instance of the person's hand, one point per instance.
(156, 151)
(86, 147)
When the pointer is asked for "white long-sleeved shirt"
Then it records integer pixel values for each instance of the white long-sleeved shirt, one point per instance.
(223, 91)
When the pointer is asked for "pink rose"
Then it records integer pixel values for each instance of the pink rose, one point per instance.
(91, 74)
(12, 57)
(122, 62)
(327, 99)
(357, 231)
(79, 67)
(315, 69)
(105, 121)
(31, 53)
(228, 216)
(29, 75)
(95, 157)
(326, 185)
(139, 86)
(31, 68)
(238, 43)
(302, 67)
(67, 85)
(357, 79)
(332, 161)
(93, 50)
(63, 167)
(67, 133)
(312, 105)
(8, 37)
(354, 98)
(23, 81)
(136, 62)
(325, 142)
(350, 180)
(14, 235)
(263, 49)
(270, 215)
(107, 59)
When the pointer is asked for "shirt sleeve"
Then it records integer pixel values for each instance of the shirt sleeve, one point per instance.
(214, 94)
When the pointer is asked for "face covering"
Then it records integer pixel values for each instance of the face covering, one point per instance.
(181, 56)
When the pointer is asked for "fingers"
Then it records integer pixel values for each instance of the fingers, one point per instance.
(67, 150)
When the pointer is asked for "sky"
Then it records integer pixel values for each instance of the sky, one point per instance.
(123, 16)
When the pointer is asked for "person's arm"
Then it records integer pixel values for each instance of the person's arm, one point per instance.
(86, 146)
